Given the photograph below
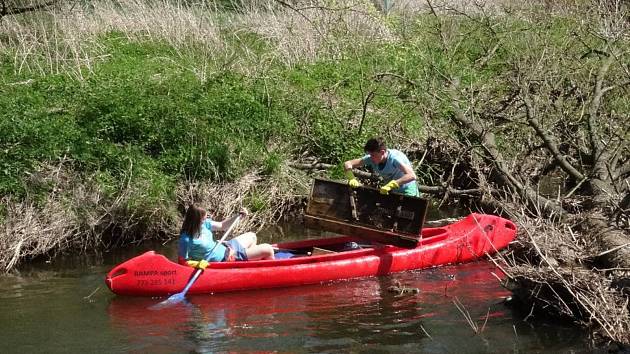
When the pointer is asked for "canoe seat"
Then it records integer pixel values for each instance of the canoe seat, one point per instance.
(321, 251)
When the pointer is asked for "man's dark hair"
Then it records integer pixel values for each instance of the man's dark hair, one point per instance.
(374, 145)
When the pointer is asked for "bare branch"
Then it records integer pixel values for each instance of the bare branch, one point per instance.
(440, 28)
(598, 93)
(299, 12)
(560, 158)
(366, 101)
(487, 140)
(311, 166)
(624, 171)
(439, 190)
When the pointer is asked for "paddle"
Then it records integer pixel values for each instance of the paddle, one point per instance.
(176, 298)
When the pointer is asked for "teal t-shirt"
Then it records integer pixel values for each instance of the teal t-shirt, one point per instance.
(198, 248)
(391, 170)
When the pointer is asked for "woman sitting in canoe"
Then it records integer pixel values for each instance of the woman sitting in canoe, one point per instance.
(197, 245)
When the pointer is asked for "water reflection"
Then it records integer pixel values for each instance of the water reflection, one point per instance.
(354, 315)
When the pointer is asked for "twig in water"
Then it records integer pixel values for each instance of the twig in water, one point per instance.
(466, 314)
(531, 312)
(425, 332)
(485, 321)
(515, 334)
(93, 292)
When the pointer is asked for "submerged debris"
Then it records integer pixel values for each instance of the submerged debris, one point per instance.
(402, 289)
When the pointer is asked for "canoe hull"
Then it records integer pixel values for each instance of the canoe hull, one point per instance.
(152, 274)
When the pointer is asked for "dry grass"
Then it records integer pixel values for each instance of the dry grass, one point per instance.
(30, 231)
(274, 197)
(82, 217)
(549, 271)
(74, 216)
(66, 39)
(471, 322)
(549, 267)
(576, 294)
(308, 31)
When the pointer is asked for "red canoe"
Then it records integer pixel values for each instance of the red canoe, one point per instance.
(151, 274)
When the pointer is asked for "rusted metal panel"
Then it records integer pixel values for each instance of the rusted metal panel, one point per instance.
(364, 212)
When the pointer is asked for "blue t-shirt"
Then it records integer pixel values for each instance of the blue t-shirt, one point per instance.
(391, 170)
(198, 248)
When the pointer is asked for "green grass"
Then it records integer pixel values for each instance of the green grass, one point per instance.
(144, 113)
(115, 132)
(141, 109)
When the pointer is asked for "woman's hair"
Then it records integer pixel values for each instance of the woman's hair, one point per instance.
(374, 145)
(192, 221)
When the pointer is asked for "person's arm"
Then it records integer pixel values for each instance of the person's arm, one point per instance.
(216, 225)
(350, 164)
(347, 167)
(408, 174)
(226, 223)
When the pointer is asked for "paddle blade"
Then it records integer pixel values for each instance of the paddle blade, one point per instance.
(171, 301)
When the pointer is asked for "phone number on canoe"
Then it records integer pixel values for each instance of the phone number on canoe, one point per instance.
(155, 282)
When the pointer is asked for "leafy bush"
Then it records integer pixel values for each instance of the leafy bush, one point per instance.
(143, 110)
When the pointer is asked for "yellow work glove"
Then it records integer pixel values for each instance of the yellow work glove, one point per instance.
(352, 181)
(389, 186)
(202, 264)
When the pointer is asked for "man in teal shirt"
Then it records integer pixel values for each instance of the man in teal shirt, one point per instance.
(391, 164)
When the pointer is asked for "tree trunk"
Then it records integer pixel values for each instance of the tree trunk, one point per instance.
(614, 244)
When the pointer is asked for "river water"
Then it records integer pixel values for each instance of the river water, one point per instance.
(64, 307)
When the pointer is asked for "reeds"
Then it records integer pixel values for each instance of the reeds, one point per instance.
(315, 29)
(67, 39)
(467, 316)
(30, 231)
(78, 215)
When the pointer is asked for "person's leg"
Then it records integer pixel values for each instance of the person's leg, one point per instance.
(252, 250)
(247, 239)
(262, 251)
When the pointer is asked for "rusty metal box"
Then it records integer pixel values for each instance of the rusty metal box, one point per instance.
(365, 213)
